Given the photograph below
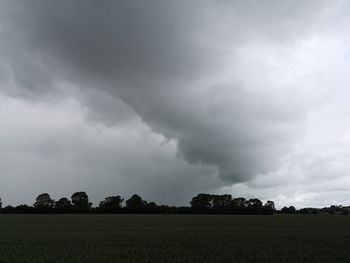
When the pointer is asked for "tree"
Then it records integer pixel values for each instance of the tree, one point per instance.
(254, 203)
(253, 206)
(43, 202)
(111, 204)
(292, 209)
(222, 201)
(202, 202)
(270, 205)
(288, 210)
(80, 201)
(63, 205)
(303, 211)
(135, 202)
(0, 203)
(239, 202)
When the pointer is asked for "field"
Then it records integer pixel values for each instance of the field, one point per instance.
(174, 238)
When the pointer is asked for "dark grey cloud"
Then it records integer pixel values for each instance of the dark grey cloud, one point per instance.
(51, 147)
(155, 56)
(224, 81)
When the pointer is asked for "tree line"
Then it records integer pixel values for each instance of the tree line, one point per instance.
(200, 204)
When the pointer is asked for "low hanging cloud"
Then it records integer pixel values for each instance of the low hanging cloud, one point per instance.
(230, 83)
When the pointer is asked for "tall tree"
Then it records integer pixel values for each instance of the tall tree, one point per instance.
(254, 203)
(111, 204)
(239, 202)
(288, 210)
(80, 201)
(222, 201)
(63, 205)
(43, 202)
(270, 205)
(202, 202)
(135, 202)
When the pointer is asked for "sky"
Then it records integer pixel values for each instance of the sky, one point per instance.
(169, 99)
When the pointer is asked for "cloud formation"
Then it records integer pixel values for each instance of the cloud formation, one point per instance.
(236, 88)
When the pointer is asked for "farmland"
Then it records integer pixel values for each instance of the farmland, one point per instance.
(174, 238)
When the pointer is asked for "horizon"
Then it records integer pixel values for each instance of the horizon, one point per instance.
(95, 204)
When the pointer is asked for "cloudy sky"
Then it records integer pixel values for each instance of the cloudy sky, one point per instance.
(172, 98)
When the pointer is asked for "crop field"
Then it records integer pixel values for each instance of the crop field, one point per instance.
(174, 238)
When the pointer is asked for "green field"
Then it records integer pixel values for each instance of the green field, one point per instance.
(174, 238)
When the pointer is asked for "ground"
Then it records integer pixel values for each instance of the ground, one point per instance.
(174, 238)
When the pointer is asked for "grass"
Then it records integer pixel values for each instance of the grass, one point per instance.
(174, 238)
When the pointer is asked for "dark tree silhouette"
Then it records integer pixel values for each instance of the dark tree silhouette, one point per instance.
(43, 202)
(269, 207)
(254, 206)
(0, 203)
(111, 204)
(202, 202)
(222, 201)
(292, 210)
(135, 203)
(224, 204)
(80, 201)
(288, 210)
(63, 205)
(254, 203)
(238, 205)
(270, 204)
(238, 202)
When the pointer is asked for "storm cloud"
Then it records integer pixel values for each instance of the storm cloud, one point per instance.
(229, 93)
